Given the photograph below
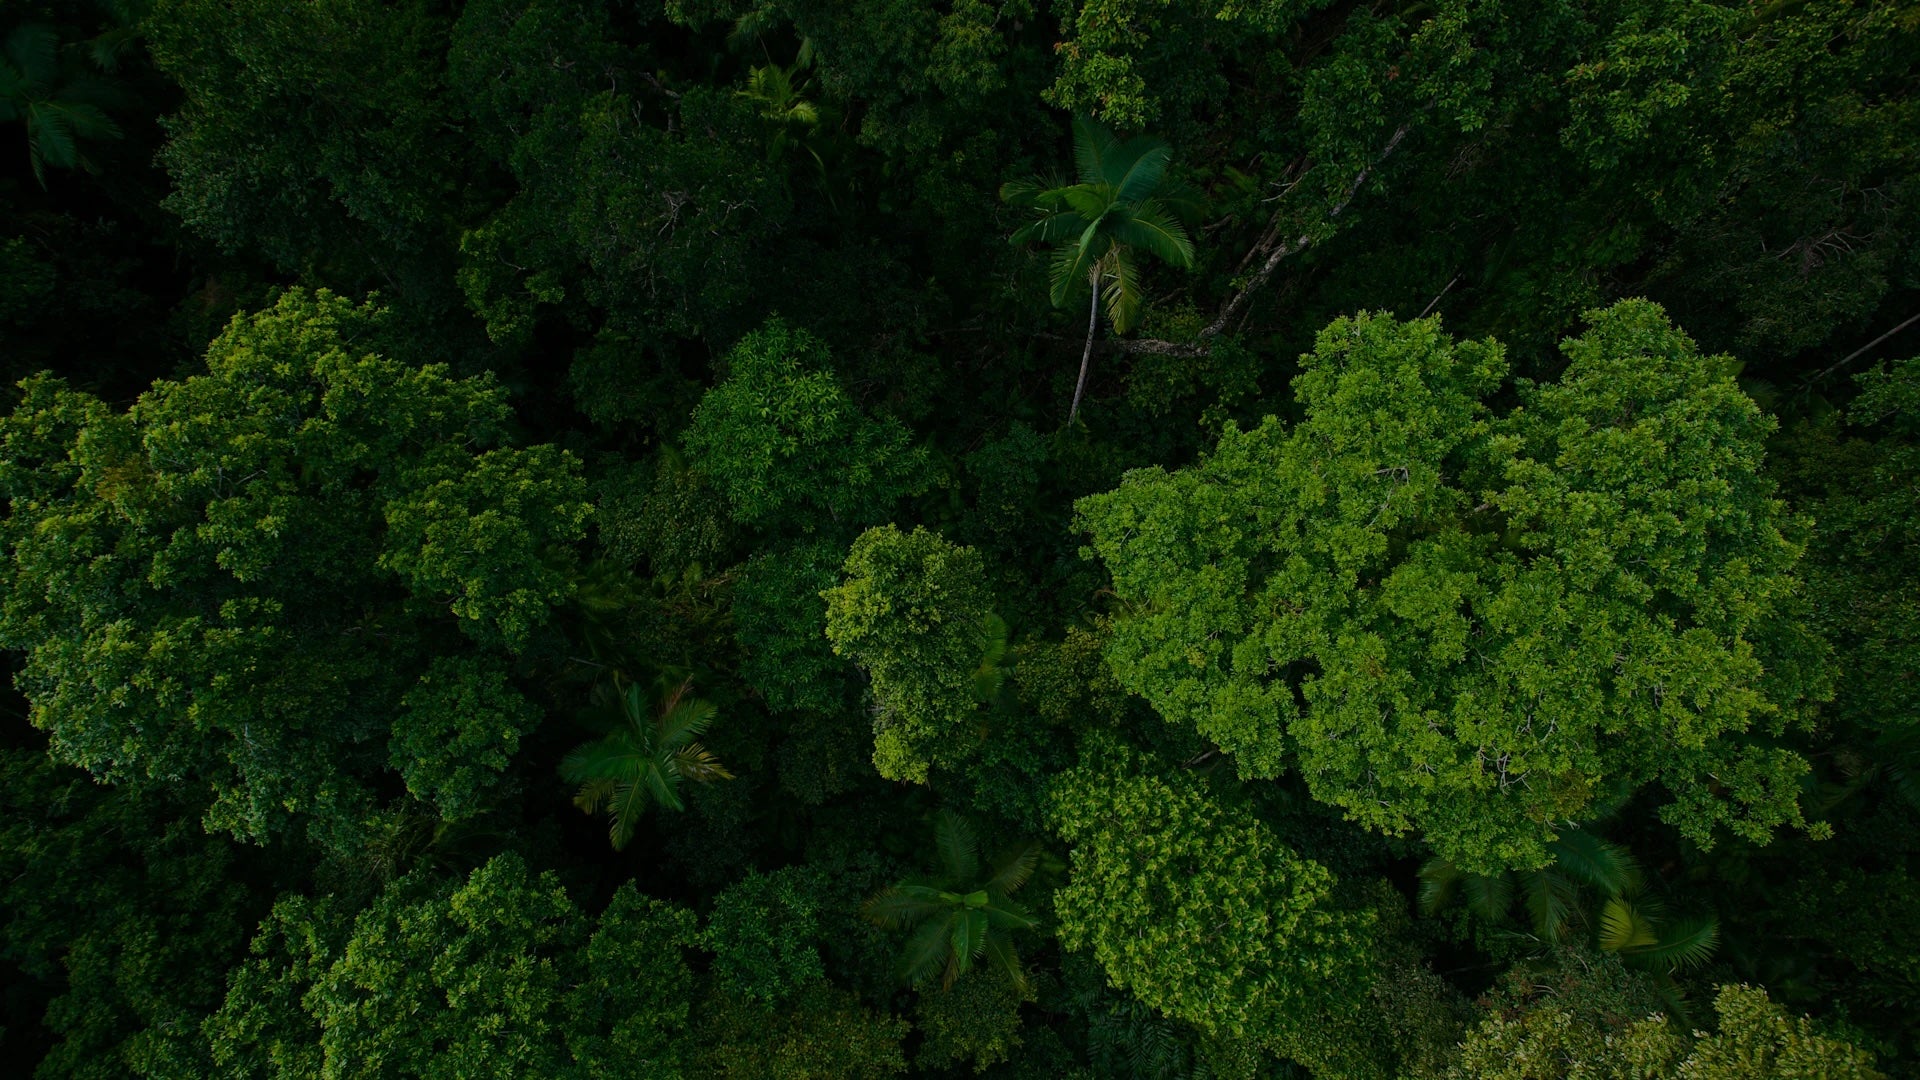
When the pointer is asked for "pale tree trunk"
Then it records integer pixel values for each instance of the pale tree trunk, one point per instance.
(1086, 355)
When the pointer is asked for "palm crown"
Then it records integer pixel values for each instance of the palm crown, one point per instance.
(649, 748)
(1122, 204)
(959, 915)
(1629, 922)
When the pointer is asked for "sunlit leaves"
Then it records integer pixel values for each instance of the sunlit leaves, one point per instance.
(1463, 623)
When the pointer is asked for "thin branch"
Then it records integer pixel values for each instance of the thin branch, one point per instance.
(1304, 240)
(1435, 300)
(1850, 357)
(1259, 280)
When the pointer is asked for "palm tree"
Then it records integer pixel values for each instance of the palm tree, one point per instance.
(59, 108)
(1628, 922)
(1121, 204)
(957, 915)
(647, 751)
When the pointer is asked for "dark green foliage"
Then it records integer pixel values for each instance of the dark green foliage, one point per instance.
(762, 935)
(119, 901)
(280, 577)
(780, 619)
(62, 106)
(1337, 696)
(961, 913)
(650, 747)
(789, 448)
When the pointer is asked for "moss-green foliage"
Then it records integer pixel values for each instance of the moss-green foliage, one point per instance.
(1598, 1023)
(762, 933)
(281, 576)
(499, 975)
(780, 620)
(825, 1034)
(914, 611)
(976, 1020)
(1486, 617)
(1198, 909)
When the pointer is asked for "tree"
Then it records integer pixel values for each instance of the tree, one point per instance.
(1121, 204)
(780, 617)
(1485, 618)
(960, 912)
(499, 974)
(1596, 1020)
(286, 576)
(1197, 909)
(320, 136)
(648, 750)
(123, 910)
(60, 108)
(1628, 921)
(915, 611)
(825, 1033)
(789, 448)
(762, 934)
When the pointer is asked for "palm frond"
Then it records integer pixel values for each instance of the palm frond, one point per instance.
(1090, 202)
(957, 849)
(1686, 944)
(1181, 199)
(1073, 264)
(687, 720)
(664, 785)
(1137, 167)
(902, 906)
(1093, 143)
(626, 807)
(968, 936)
(926, 952)
(1001, 954)
(1052, 229)
(33, 51)
(1586, 858)
(1549, 899)
(1488, 896)
(1010, 915)
(1439, 880)
(616, 757)
(696, 763)
(1024, 192)
(592, 794)
(1013, 869)
(1151, 228)
(1122, 293)
(1622, 927)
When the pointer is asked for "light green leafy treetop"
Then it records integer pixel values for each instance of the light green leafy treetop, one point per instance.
(1485, 617)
